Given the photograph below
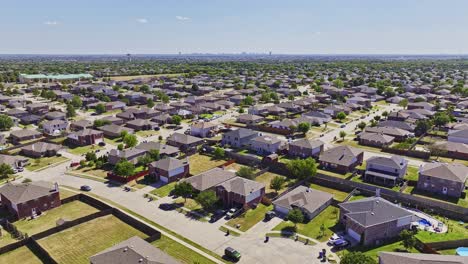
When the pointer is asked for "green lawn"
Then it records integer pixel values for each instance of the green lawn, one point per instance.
(164, 190)
(180, 252)
(451, 251)
(337, 194)
(357, 197)
(374, 251)
(412, 174)
(113, 141)
(36, 164)
(201, 163)
(6, 239)
(266, 178)
(146, 133)
(75, 245)
(190, 204)
(250, 217)
(327, 217)
(84, 149)
(334, 174)
(21, 255)
(68, 211)
(456, 231)
(66, 193)
(92, 172)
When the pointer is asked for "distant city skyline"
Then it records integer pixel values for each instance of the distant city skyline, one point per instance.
(233, 27)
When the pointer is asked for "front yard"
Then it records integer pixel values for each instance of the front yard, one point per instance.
(328, 218)
(84, 149)
(92, 172)
(200, 163)
(180, 252)
(164, 190)
(249, 218)
(374, 251)
(75, 245)
(37, 164)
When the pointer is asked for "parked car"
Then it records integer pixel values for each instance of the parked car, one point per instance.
(269, 215)
(340, 243)
(231, 213)
(343, 126)
(333, 238)
(168, 206)
(85, 188)
(20, 169)
(217, 215)
(102, 144)
(232, 253)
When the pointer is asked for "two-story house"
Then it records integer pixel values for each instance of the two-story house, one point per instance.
(169, 169)
(238, 138)
(306, 148)
(384, 170)
(443, 179)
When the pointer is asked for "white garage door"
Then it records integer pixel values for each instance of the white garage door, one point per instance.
(163, 179)
(353, 234)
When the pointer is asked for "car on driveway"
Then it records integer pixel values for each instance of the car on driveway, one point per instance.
(217, 215)
(343, 126)
(340, 243)
(85, 188)
(231, 213)
(269, 215)
(333, 238)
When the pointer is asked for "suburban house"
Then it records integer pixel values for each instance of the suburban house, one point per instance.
(56, 115)
(14, 161)
(306, 148)
(421, 105)
(17, 136)
(132, 250)
(315, 114)
(80, 125)
(342, 159)
(459, 136)
(238, 138)
(164, 150)
(86, 137)
(398, 134)
(250, 119)
(453, 149)
(131, 154)
(169, 169)
(54, 127)
(141, 124)
(373, 220)
(375, 139)
(310, 201)
(29, 199)
(203, 129)
(30, 119)
(384, 170)
(265, 144)
(40, 149)
(114, 131)
(365, 102)
(239, 192)
(115, 105)
(184, 142)
(37, 108)
(419, 258)
(210, 179)
(443, 179)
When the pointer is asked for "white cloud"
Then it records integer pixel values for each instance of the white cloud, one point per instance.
(51, 23)
(182, 18)
(318, 33)
(142, 20)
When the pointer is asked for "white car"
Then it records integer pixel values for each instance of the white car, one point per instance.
(333, 238)
(230, 213)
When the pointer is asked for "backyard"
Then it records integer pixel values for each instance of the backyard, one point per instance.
(22, 255)
(456, 230)
(328, 218)
(180, 252)
(337, 194)
(78, 243)
(250, 217)
(201, 163)
(266, 178)
(37, 164)
(374, 251)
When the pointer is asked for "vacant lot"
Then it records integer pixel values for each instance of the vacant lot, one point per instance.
(328, 218)
(250, 218)
(77, 244)
(37, 164)
(21, 255)
(68, 211)
(201, 163)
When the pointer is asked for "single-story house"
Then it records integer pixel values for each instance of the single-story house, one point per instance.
(40, 149)
(342, 159)
(164, 150)
(114, 131)
(184, 142)
(210, 179)
(17, 136)
(131, 154)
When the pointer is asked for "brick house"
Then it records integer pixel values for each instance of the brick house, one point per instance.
(342, 159)
(306, 148)
(169, 169)
(443, 179)
(37, 108)
(184, 142)
(86, 137)
(29, 199)
(238, 138)
(373, 220)
(310, 201)
(240, 192)
(40, 149)
(17, 136)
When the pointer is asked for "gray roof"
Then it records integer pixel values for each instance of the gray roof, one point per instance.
(162, 148)
(132, 250)
(373, 211)
(453, 172)
(210, 178)
(393, 131)
(115, 128)
(242, 186)
(184, 139)
(305, 198)
(24, 133)
(394, 161)
(266, 140)
(21, 193)
(41, 147)
(126, 153)
(307, 143)
(86, 132)
(376, 137)
(241, 133)
(458, 133)
(341, 155)
(169, 164)
(417, 258)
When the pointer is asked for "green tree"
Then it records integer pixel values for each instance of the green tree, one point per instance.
(5, 170)
(296, 216)
(36, 92)
(377, 118)
(130, 140)
(241, 110)
(246, 172)
(154, 154)
(120, 146)
(408, 241)
(362, 125)
(342, 134)
(145, 160)
(302, 169)
(71, 112)
(291, 97)
(124, 168)
(248, 100)
(422, 126)
(357, 257)
(441, 119)
(219, 153)
(277, 183)
(341, 116)
(176, 119)
(91, 156)
(150, 103)
(76, 101)
(403, 103)
(101, 122)
(5, 122)
(100, 108)
(207, 199)
(183, 189)
(303, 127)
(123, 133)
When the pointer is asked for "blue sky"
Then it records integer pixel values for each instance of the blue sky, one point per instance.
(222, 26)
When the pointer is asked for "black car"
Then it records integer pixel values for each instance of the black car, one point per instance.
(168, 206)
(85, 188)
(102, 143)
(269, 215)
(217, 215)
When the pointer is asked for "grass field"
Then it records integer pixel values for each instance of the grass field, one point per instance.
(84, 149)
(412, 174)
(36, 164)
(178, 251)
(164, 190)
(21, 255)
(190, 204)
(75, 245)
(201, 163)
(337, 195)
(68, 211)
(250, 218)
(374, 251)
(146, 133)
(327, 217)
(66, 193)
(92, 171)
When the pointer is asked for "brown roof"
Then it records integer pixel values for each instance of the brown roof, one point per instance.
(341, 155)
(169, 164)
(417, 258)
(304, 197)
(210, 178)
(242, 186)
(21, 193)
(453, 172)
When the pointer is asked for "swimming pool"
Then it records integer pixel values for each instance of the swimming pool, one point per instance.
(462, 251)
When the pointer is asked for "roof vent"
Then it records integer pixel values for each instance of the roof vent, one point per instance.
(372, 213)
(125, 249)
(140, 260)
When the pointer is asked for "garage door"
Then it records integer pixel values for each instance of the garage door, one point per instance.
(281, 210)
(163, 179)
(353, 234)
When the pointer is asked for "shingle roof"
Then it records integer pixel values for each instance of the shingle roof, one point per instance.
(169, 164)
(184, 139)
(162, 148)
(417, 258)
(210, 178)
(241, 133)
(21, 193)
(307, 143)
(393, 162)
(452, 172)
(242, 186)
(341, 155)
(304, 197)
